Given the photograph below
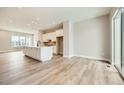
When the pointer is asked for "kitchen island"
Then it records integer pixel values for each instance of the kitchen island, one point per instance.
(39, 53)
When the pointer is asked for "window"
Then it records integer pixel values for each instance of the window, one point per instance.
(28, 41)
(15, 41)
(22, 41)
(18, 40)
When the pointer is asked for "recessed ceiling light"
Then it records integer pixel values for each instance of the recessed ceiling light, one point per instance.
(28, 24)
(37, 18)
(32, 22)
(10, 21)
(19, 7)
(35, 22)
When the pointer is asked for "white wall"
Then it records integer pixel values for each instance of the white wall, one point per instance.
(92, 38)
(5, 41)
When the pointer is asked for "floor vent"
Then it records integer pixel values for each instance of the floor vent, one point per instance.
(108, 66)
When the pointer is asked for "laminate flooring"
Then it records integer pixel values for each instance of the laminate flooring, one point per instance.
(17, 69)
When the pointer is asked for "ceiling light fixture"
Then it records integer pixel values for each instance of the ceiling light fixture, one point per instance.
(28, 24)
(37, 18)
(32, 22)
(19, 7)
(35, 22)
(10, 21)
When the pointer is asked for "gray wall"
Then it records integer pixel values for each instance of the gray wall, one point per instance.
(92, 38)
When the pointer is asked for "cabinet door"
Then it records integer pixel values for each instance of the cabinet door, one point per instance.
(45, 38)
(50, 36)
(59, 33)
(54, 36)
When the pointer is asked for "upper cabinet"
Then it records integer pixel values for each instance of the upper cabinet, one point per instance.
(52, 35)
(49, 36)
(59, 32)
(45, 37)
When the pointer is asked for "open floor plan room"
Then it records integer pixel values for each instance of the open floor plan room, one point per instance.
(61, 46)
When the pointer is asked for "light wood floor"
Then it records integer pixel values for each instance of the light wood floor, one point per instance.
(15, 68)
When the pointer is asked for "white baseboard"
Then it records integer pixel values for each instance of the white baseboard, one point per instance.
(68, 56)
(96, 58)
(8, 51)
(5, 51)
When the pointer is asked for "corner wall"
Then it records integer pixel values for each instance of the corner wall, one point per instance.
(68, 39)
(5, 41)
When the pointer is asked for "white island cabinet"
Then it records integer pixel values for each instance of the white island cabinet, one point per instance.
(39, 53)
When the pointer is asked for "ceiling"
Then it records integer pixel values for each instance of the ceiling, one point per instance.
(33, 19)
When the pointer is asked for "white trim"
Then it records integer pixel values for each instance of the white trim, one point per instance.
(9, 51)
(115, 13)
(69, 56)
(112, 27)
(90, 57)
(112, 38)
(6, 51)
(96, 58)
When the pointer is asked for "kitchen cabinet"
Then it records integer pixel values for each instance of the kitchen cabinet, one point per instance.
(59, 32)
(49, 36)
(52, 36)
(45, 37)
(39, 53)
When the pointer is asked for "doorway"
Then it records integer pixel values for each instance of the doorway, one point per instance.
(59, 45)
